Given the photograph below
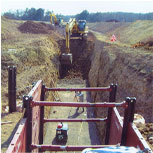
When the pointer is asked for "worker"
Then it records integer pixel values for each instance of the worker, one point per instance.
(80, 98)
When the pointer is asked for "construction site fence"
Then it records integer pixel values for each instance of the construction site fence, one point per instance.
(29, 136)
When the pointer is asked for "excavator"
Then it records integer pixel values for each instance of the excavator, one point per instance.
(74, 30)
(57, 22)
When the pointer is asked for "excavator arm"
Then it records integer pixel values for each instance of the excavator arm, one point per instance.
(73, 29)
(55, 19)
(69, 27)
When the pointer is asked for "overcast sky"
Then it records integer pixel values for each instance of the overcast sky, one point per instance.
(74, 7)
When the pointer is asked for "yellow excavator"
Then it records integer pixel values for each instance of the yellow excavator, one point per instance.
(57, 22)
(74, 30)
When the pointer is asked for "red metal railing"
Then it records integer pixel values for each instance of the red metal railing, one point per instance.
(30, 136)
(18, 143)
(80, 89)
(24, 135)
(75, 120)
(75, 104)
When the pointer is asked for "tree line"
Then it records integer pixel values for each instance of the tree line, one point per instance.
(42, 15)
(113, 16)
(33, 14)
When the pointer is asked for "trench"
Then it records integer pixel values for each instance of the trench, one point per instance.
(75, 76)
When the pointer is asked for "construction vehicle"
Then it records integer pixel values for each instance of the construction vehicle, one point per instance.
(74, 30)
(57, 22)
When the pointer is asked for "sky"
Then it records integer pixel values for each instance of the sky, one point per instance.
(74, 7)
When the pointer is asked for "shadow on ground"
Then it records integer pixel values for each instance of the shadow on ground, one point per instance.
(93, 132)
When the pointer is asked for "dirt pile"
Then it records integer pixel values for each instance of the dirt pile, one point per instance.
(146, 45)
(36, 28)
(147, 132)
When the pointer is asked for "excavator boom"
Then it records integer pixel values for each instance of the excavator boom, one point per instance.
(74, 30)
(56, 21)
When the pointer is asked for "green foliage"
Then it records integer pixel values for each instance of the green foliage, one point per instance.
(41, 15)
(113, 16)
(83, 15)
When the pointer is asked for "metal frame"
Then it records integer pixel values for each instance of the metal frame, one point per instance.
(28, 115)
(129, 115)
(75, 120)
(12, 88)
(23, 140)
(112, 98)
(66, 148)
(42, 115)
(128, 118)
(80, 89)
(80, 104)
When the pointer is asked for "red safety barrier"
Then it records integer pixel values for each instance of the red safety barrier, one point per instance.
(31, 135)
(80, 104)
(134, 138)
(115, 128)
(80, 89)
(18, 143)
(36, 94)
(65, 148)
(76, 120)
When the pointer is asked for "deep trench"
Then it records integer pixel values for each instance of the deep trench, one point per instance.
(82, 53)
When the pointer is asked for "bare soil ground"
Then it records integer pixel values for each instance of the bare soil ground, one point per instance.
(127, 34)
(106, 55)
(35, 52)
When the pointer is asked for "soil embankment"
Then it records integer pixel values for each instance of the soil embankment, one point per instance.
(34, 51)
(131, 69)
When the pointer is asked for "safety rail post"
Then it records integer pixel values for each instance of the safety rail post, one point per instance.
(41, 132)
(28, 114)
(12, 88)
(112, 98)
(133, 103)
(128, 118)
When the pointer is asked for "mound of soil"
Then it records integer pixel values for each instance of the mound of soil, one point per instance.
(36, 28)
(147, 45)
(147, 132)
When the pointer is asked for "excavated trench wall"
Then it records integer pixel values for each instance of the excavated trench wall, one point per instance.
(131, 69)
(102, 64)
(81, 52)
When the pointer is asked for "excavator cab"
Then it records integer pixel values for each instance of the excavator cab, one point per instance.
(81, 25)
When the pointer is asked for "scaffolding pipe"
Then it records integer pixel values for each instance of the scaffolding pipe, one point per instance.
(75, 120)
(66, 148)
(76, 104)
(80, 89)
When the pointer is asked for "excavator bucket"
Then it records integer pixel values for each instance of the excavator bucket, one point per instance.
(66, 59)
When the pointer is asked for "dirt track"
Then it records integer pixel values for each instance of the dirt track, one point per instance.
(78, 133)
